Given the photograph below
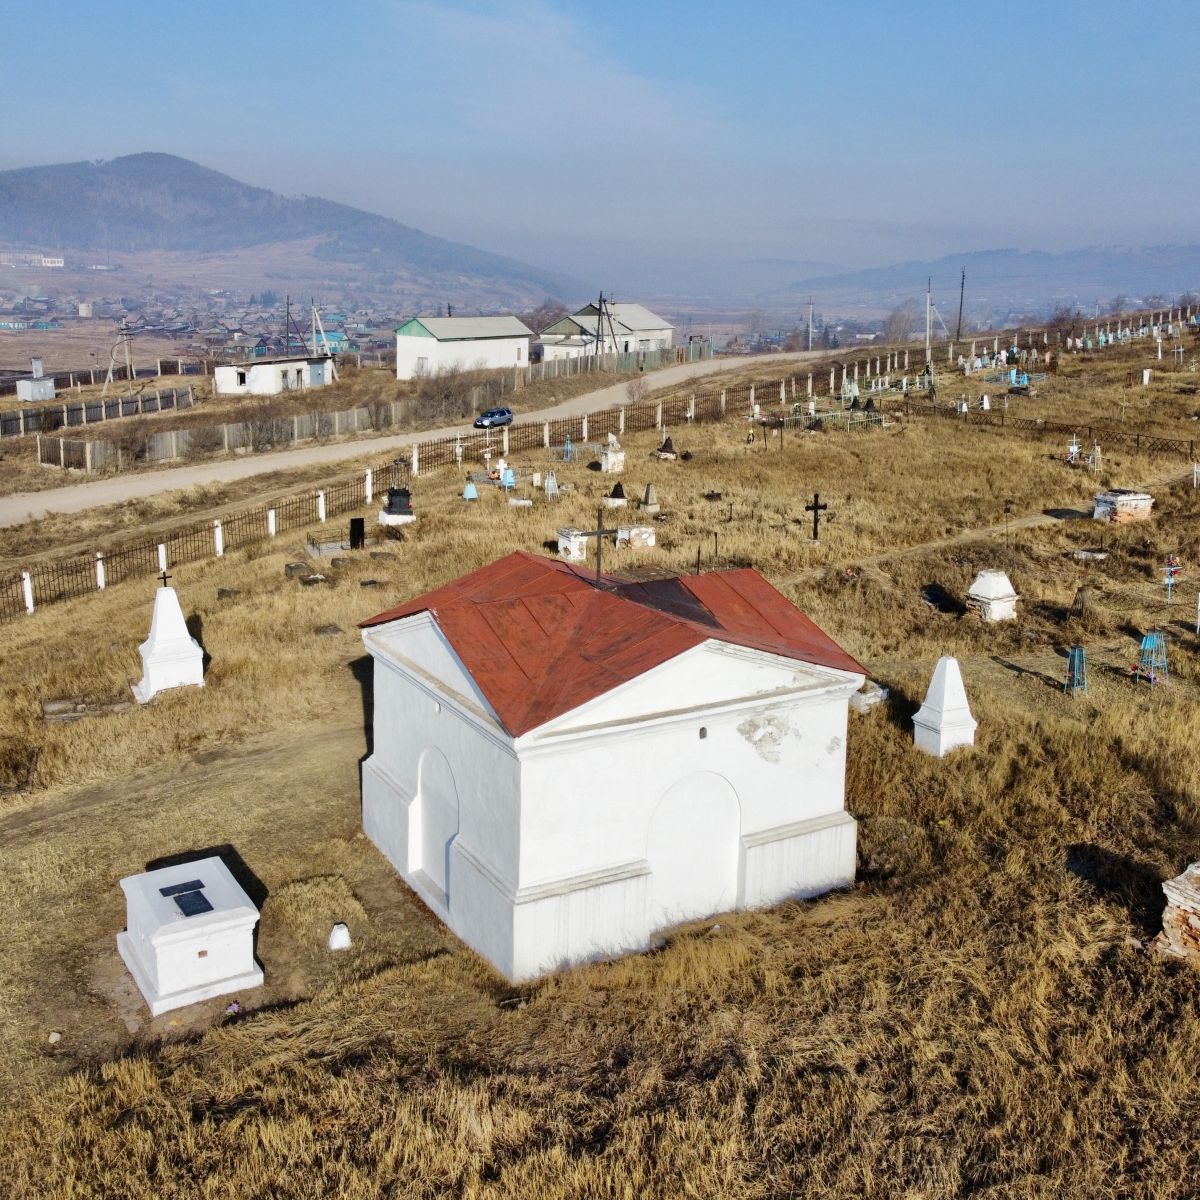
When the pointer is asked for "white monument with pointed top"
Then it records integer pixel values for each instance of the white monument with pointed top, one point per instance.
(944, 721)
(171, 657)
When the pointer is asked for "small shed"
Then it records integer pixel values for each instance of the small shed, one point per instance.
(271, 376)
(992, 596)
(1123, 506)
(189, 934)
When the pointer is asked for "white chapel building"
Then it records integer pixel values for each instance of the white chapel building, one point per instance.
(426, 345)
(560, 768)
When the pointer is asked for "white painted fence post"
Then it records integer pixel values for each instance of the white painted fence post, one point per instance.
(271, 520)
(218, 539)
(658, 415)
(582, 431)
(100, 569)
(416, 460)
(546, 434)
(27, 589)
(831, 370)
(691, 408)
(782, 391)
(320, 506)
(162, 556)
(621, 420)
(368, 484)
(504, 436)
(722, 402)
(810, 383)
(906, 360)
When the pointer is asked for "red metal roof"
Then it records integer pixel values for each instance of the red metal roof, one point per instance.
(540, 638)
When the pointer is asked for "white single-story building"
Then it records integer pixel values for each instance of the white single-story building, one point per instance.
(560, 768)
(624, 329)
(426, 345)
(270, 376)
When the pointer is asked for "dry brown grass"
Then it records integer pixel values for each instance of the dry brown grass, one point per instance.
(974, 1017)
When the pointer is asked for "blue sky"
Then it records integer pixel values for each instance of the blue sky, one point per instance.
(626, 138)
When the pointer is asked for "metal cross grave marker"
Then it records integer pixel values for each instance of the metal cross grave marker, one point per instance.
(816, 508)
(599, 533)
(164, 577)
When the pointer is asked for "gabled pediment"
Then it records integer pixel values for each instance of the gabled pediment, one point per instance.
(416, 646)
(710, 676)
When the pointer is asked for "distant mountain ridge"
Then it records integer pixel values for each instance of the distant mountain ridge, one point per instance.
(1096, 272)
(149, 201)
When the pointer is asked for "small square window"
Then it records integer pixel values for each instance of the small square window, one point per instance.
(202, 954)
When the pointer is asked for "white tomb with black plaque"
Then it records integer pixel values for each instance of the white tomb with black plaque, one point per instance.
(189, 935)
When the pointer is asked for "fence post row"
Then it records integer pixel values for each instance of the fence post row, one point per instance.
(621, 420)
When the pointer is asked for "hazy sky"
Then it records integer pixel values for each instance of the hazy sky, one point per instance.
(609, 139)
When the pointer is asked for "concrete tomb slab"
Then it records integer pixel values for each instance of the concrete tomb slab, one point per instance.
(171, 657)
(944, 721)
(1122, 506)
(572, 545)
(189, 934)
(1180, 937)
(992, 596)
(638, 537)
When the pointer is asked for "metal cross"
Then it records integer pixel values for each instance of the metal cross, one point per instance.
(599, 533)
(164, 577)
(816, 508)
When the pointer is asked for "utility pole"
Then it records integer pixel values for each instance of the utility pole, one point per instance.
(287, 327)
(929, 325)
(962, 287)
(810, 316)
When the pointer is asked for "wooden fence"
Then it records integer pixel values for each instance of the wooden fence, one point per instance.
(46, 417)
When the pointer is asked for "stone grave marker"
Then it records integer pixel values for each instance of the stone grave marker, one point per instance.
(944, 722)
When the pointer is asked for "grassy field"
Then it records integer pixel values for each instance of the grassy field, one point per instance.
(976, 1016)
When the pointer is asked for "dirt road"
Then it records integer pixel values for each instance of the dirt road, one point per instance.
(29, 506)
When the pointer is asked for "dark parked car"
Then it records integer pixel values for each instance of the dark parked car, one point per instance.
(493, 416)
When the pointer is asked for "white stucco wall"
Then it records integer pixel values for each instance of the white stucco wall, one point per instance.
(552, 350)
(426, 355)
(581, 838)
(269, 378)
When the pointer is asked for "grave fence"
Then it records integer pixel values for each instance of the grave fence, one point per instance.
(1140, 441)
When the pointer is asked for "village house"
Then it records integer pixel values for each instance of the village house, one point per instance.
(624, 329)
(560, 767)
(271, 376)
(426, 345)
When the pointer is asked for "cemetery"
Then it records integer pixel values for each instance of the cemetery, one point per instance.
(1005, 950)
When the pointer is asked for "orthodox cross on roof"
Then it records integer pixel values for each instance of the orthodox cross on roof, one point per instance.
(164, 577)
(816, 508)
(599, 533)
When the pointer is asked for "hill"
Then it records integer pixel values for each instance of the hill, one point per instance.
(1000, 282)
(144, 203)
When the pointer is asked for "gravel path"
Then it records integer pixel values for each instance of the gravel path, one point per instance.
(114, 489)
